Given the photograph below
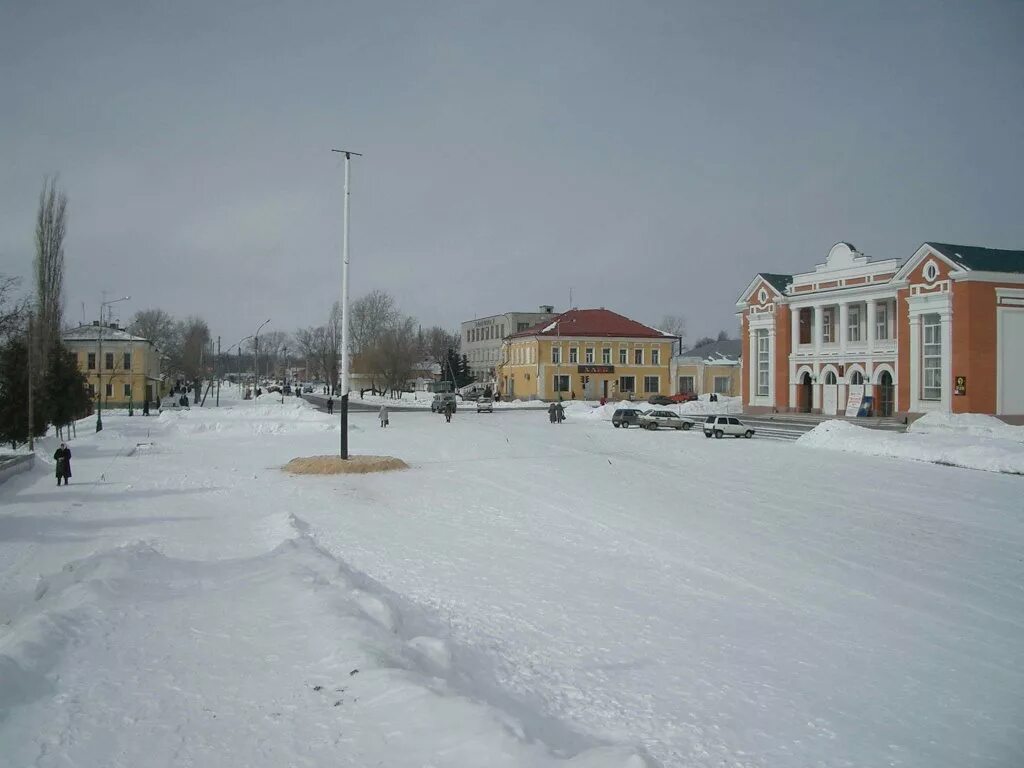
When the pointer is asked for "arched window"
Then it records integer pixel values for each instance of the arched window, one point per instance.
(856, 378)
(830, 377)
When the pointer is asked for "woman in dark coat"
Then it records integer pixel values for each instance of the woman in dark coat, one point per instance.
(63, 457)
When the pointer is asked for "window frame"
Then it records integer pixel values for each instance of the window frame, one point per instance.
(127, 390)
(556, 355)
(882, 321)
(763, 380)
(638, 356)
(728, 385)
(108, 360)
(560, 379)
(631, 389)
(693, 384)
(588, 355)
(126, 361)
(649, 381)
(623, 356)
(655, 356)
(574, 355)
(853, 323)
(90, 361)
(606, 356)
(931, 357)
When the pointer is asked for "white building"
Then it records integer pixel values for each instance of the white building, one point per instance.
(481, 338)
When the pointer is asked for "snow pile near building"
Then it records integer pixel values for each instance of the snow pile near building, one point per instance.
(130, 658)
(974, 424)
(583, 410)
(266, 415)
(955, 448)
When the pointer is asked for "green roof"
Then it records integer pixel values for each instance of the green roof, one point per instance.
(779, 282)
(981, 259)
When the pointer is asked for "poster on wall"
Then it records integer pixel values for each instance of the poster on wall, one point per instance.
(867, 407)
(854, 400)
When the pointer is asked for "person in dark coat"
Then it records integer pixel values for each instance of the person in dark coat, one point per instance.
(559, 412)
(383, 415)
(449, 409)
(330, 405)
(551, 412)
(63, 458)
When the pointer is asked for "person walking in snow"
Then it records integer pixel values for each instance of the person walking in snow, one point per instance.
(559, 412)
(551, 412)
(383, 416)
(449, 409)
(330, 405)
(63, 458)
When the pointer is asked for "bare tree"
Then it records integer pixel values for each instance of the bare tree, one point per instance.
(155, 325)
(723, 336)
(369, 316)
(436, 342)
(51, 227)
(676, 325)
(307, 344)
(395, 353)
(194, 337)
(12, 311)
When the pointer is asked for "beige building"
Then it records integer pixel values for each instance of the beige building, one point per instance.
(588, 354)
(712, 367)
(121, 368)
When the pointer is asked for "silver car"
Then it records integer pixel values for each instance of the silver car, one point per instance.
(654, 418)
(485, 404)
(719, 426)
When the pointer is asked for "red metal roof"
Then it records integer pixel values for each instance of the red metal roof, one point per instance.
(593, 322)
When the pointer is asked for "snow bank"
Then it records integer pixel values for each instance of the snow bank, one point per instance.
(584, 410)
(974, 424)
(128, 657)
(266, 415)
(946, 446)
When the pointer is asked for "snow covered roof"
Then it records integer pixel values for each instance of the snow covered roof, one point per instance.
(980, 259)
(594, 322)
(92, 333)
(725, 351)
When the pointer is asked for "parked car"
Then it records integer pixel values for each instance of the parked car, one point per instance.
(653, 419)
(660, 400)
(719, 426)
(485, 404)
(625, 417)
(683, 397)
(437, 405)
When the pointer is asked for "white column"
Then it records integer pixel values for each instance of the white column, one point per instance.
(870, 329)
(915, 363)
(946, 329)
(752, 357)
(819, 328)
(844, 320)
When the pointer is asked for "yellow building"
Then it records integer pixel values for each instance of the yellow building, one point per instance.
(711, 367)
(123, 368)
(588, 354)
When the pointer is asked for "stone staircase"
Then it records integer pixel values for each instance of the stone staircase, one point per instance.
(789, 426)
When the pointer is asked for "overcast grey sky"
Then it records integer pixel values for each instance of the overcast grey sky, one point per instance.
(652, 156)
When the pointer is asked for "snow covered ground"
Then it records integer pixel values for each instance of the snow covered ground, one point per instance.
(971, 441)
(525, 595)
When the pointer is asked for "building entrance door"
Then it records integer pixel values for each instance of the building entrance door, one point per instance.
(886, 394)
(805, 394)
(604, 388)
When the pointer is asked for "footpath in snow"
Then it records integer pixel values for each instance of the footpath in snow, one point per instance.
(972, 441)
(526, 594)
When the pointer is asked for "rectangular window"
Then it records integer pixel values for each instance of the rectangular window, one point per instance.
(127, 361)
(521, 327)
(853, 323)
(622, 355)
(685, 384)
(652, 384)
(561, 383)
(92, 391)
(931, 363)
(655, 357)
(723, 385)
(91, 364)
(606, 356)
(762, 363)
(110, 389)
(556, 355)
(590, 355)
(828, 335)
(882, 321)
(805, 325)
(109, 361)
(574, 355)
(501, 330)
(638, 357)
(128, 390)
(627, 384)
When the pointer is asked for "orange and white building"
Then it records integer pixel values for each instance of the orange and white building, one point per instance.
(943, 331)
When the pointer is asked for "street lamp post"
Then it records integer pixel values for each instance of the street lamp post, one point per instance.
(256, 357)
(99, 364)
(344, 309)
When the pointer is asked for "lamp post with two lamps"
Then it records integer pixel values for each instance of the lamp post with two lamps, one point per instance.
(256, 357)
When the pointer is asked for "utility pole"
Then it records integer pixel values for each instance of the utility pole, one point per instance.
(216, 371)
(31, 363)
(344, 309)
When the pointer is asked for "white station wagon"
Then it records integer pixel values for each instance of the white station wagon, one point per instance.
(718, 426)
(653, 419)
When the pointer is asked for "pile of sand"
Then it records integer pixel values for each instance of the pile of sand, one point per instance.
(335, 465)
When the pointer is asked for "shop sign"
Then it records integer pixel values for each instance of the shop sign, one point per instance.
(596, 369)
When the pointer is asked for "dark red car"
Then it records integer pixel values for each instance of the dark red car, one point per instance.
(683, 397)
